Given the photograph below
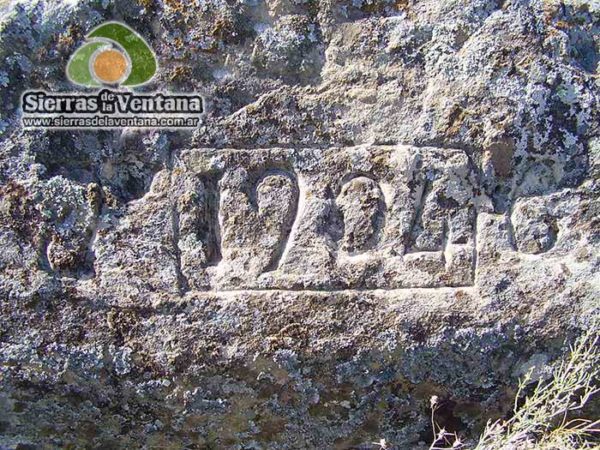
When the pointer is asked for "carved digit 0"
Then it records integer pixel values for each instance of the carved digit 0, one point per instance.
(362, 205)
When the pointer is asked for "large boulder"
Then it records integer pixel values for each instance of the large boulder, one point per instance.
(384, 201)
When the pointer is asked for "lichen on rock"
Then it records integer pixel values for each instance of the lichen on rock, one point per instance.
(384, 201)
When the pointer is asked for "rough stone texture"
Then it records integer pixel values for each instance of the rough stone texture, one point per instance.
(386, 200)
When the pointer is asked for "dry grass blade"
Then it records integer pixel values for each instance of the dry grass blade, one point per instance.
(542, 421)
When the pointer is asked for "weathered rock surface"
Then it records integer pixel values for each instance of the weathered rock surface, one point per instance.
(386, 200)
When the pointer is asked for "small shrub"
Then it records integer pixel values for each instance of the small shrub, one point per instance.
(544, 421)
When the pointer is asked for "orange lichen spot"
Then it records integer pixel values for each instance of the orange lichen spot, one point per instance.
(180, 73)
(147, 4)
(401, 5)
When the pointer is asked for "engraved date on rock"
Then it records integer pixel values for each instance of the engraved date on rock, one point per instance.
(373, 217)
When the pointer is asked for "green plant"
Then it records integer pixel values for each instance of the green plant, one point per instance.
(544, 420)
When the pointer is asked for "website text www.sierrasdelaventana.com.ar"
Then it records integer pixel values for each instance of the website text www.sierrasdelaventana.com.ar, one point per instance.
(110, 109)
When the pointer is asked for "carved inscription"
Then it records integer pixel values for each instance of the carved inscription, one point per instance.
(196, 209)
(70, 216)
(534, 217)
(257, 211)
(362, 204)
(378, 217)
(351, 218)
(535, 228)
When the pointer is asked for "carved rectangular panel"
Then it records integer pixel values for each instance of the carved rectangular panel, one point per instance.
(366, 217)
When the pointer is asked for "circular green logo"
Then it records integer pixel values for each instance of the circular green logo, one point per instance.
(114, 55)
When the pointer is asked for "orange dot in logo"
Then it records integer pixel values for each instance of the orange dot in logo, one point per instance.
(110, 66)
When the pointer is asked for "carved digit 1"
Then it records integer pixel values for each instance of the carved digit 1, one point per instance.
(196, 209)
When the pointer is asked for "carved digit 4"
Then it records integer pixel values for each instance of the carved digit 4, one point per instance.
(442, 217)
